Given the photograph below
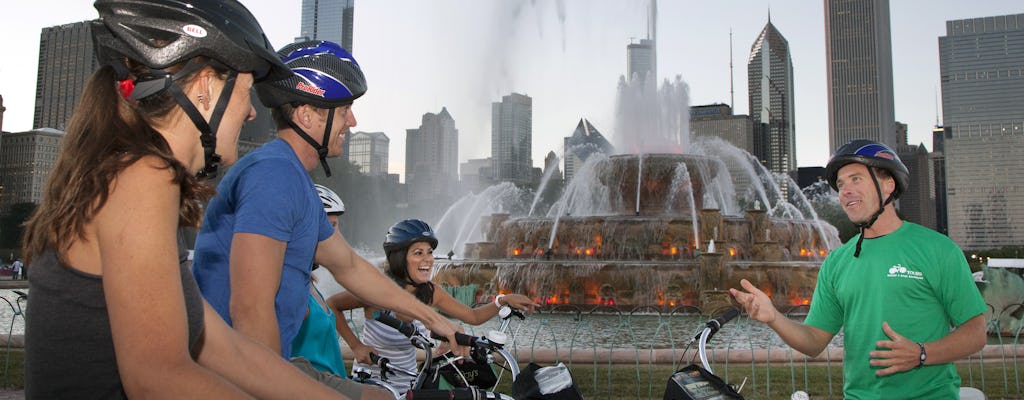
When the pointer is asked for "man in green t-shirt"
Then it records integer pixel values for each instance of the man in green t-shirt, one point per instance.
(902, 293)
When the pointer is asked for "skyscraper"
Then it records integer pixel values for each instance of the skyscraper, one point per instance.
(642, 56)
(328, 20)
(584, 142)
(981, 62)
(512, 139)
(770, 85)
(640, 60)
(369, 151)
(938, 165)
(25, 162)
(718, 120)
(66, 61)
(858, 55)
(432, 158)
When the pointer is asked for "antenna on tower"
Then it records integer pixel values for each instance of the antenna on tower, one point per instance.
(936, 90)
(732, 99)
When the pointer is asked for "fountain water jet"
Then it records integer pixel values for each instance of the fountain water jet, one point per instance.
(620, 234)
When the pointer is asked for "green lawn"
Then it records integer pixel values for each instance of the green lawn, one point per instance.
(776, 382)
(648, 382)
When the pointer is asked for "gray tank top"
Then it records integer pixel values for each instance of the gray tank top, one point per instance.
(69, 352)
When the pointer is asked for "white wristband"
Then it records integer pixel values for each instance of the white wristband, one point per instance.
(497, 299)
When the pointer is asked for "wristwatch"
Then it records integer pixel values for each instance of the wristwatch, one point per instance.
(924, 356)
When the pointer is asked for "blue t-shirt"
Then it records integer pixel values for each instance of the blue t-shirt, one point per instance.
(268, 192)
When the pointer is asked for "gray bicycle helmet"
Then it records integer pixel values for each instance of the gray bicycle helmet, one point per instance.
(162, 33)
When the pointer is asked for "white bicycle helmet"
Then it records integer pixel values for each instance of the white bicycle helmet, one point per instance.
(332, 203)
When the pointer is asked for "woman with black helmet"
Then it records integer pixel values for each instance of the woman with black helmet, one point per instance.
(902, 294)
(114, 312)
(409, 246)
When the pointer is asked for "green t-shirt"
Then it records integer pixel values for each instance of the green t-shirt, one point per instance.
(913, 278)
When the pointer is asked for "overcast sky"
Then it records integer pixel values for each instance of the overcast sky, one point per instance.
(567, 55)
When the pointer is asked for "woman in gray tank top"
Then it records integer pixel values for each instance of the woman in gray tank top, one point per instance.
(113, 313)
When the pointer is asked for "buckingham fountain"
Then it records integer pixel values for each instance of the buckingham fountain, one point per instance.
(671, 224)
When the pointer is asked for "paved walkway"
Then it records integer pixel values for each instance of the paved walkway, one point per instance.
(7, 394)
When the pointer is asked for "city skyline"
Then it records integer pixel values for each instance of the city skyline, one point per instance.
(566, 55)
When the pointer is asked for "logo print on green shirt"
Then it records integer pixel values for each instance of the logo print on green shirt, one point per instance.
(899, 271)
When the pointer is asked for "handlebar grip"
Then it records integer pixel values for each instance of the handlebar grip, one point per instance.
(446, 394)
(731, 313)
(461, 338)
(374, 358)
(405, 328)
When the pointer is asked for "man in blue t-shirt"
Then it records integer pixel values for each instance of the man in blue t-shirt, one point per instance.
(266, 227)
(902, 293)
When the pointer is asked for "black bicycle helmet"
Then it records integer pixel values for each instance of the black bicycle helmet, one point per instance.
(873, 155)
(404, 233)
(325, 76)
(162, 33)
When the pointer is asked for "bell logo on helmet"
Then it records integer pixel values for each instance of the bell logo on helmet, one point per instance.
(885, 154)
(194, 30)
(427, 233)
(310, 89)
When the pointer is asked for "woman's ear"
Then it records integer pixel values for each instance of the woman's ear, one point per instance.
(204, 86)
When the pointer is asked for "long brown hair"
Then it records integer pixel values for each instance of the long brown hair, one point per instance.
(106, 134)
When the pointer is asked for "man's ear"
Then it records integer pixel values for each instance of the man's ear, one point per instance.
(303, 116)
(889, 185)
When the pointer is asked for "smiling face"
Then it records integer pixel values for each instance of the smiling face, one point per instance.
(344, 121)
(857, 194)
(419, 262)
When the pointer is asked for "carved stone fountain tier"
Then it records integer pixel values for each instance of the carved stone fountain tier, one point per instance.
(652, 244)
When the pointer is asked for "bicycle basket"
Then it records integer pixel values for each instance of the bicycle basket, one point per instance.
(478, 375)
(695, 383)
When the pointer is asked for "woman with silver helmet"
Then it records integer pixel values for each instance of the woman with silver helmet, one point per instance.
(115, 312)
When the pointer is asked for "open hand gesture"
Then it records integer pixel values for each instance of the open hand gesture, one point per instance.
(757, 304)
(898, 354)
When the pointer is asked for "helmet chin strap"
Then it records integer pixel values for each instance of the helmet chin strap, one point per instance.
(321, 149)
(159, 80)
(874, 217)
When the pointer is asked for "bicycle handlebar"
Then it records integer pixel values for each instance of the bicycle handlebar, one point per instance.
(405, 328)
(716, 324)
(463, 339)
